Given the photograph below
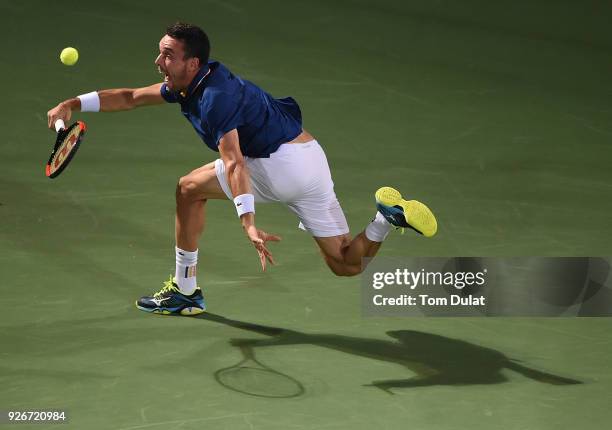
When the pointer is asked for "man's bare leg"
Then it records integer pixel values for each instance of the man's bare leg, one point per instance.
(192, 192)
(343, 255)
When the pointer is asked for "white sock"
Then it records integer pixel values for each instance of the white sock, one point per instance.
(378, 229)
(186, 263)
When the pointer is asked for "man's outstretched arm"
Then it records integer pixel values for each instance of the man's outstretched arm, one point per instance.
(240, 185)
(109, 101)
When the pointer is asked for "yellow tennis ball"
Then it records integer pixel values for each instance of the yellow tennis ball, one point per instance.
(69, 56)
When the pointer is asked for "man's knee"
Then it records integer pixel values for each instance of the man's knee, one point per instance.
(343, 269)
(188, 189)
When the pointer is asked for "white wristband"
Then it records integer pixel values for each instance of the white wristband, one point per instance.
(90, 102)
(245, 203)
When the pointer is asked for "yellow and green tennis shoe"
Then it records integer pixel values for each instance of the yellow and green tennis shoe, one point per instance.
(170, 300)
(405, 213)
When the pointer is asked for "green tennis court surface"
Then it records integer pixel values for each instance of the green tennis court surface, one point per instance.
(498, 115)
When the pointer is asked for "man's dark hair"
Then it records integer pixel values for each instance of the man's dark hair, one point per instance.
(195, 41)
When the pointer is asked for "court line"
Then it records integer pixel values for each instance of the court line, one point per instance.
(193, 420)
(584, 122)
(246, 420)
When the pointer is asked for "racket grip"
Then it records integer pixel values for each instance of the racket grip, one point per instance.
(59, 125)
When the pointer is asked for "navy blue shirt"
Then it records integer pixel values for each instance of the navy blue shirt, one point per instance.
(220, 101)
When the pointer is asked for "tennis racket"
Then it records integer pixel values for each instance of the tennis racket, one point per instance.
(66, 145)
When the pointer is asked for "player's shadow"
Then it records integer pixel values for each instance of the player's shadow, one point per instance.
(436, 360)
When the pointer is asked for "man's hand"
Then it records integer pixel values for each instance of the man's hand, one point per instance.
(239, 182)
(259, 238)
(62, 111)
(111, 100)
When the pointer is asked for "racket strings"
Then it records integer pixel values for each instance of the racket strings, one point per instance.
(66, 145)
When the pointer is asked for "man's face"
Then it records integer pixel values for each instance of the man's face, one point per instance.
(178, 71)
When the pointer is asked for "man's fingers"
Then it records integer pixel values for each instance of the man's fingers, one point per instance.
(259, 246)
(51, 121)
(268, 255)
(60, 111)
(259, 243)
(271, 259)
(268, 237)
(262, 259)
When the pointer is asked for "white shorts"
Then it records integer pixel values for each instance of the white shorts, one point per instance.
(297, 175)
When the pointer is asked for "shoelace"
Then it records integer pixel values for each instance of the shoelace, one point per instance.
(168, 287)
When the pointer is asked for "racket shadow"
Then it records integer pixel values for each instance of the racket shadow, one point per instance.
(434, 359)
(251, 376)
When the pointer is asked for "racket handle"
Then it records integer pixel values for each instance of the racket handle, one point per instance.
(59, 125)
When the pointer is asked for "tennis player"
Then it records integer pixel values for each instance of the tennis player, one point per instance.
(265, 156)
